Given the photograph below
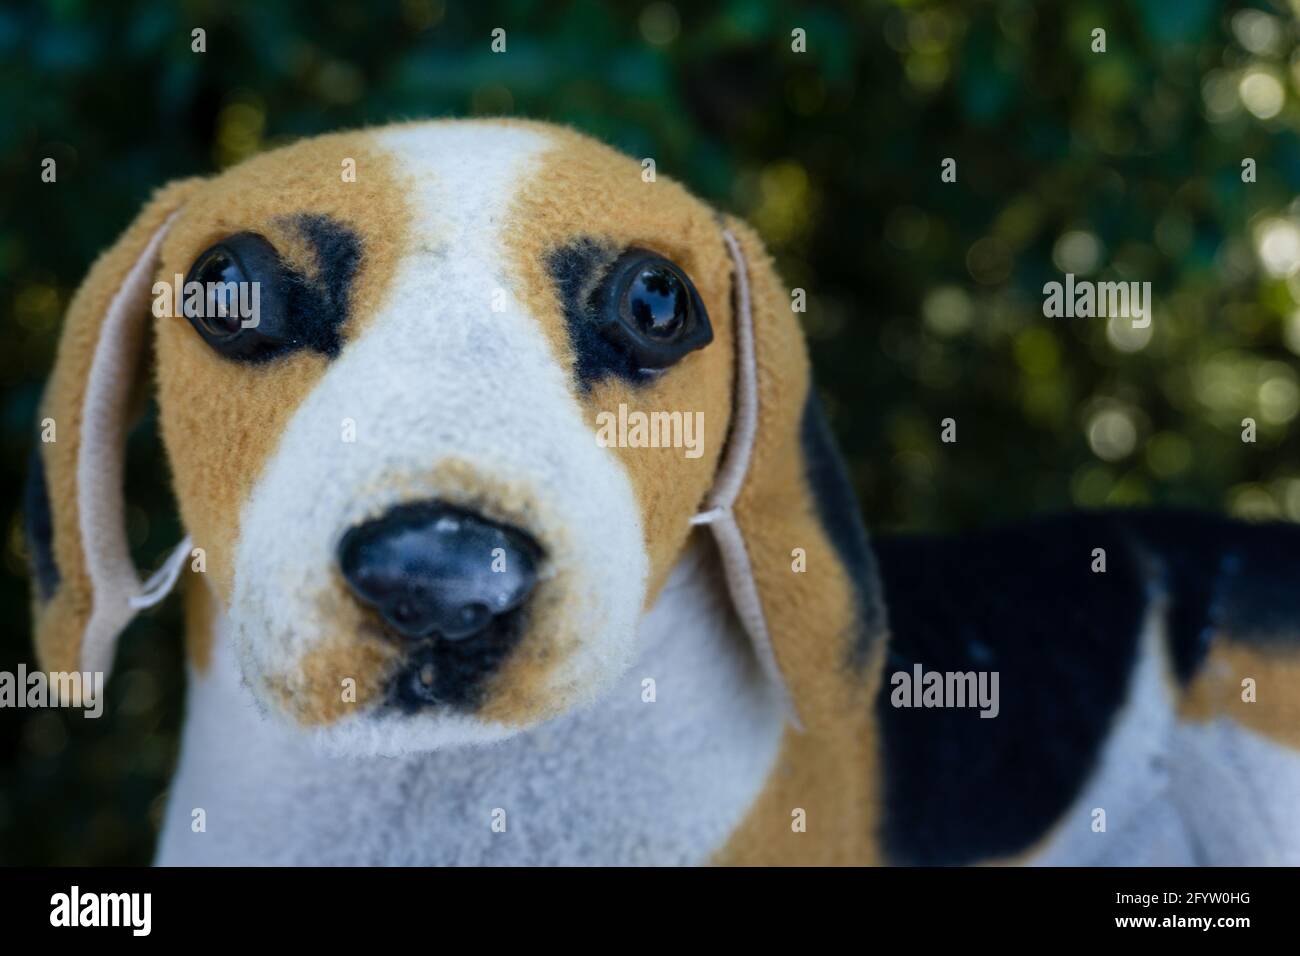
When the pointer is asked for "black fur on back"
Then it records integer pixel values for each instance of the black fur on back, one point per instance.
(1024, 601)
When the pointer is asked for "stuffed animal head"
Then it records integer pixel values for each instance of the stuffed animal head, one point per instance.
(440, 402)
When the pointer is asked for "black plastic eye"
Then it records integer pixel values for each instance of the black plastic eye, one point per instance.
(234, 296)
(218, 308)
(658, 303)
(648, 307)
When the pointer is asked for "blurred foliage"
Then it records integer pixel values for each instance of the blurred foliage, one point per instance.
(925, 298)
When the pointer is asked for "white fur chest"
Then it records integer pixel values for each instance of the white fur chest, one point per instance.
(624, 781)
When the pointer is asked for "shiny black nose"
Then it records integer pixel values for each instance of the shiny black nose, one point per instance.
(435, 571)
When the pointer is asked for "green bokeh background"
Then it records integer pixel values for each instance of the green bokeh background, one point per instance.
(924, 297)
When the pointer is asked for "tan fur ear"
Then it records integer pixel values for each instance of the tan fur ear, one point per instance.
(799, 569)
(83, 578)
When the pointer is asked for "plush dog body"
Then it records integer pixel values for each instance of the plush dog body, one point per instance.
(441, 620)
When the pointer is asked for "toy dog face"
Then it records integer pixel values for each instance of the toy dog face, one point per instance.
(446, 460)
(396, 472)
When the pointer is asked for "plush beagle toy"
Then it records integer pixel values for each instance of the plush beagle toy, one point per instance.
(522, 540)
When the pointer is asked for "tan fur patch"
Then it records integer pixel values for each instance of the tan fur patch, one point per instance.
(200, 610)
(832, 775)
(315, 693)
(222, 419)
(1216, 691)
(585, 189)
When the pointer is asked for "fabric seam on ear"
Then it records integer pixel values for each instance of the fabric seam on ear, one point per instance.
(101, 461)
(719, 514)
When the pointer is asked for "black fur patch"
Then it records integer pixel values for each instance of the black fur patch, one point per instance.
(460, 670)
(837, 509)
(39, 528)
(318, 306)
(576, 267)
(1024, 602)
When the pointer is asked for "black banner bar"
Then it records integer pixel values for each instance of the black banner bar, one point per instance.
(329, 905)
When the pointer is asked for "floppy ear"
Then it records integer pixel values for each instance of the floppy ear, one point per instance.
(801, 574)
(83, 578)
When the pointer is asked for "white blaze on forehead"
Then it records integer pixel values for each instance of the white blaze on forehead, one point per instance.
(440, 376)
